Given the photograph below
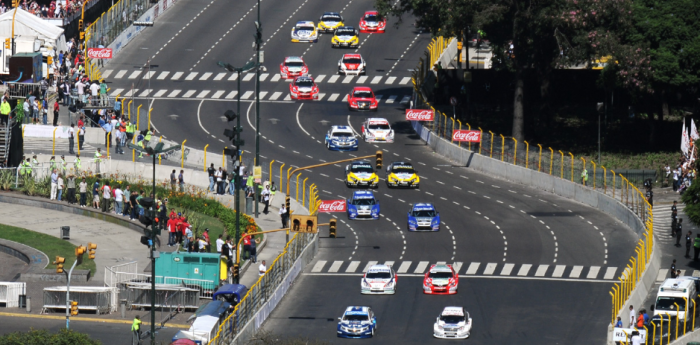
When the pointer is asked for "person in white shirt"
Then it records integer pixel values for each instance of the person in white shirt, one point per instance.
(632, 318)
(219, 243)
(106, 196)
(262, 268)
(118, 200)
(202, 245)
(94, 92)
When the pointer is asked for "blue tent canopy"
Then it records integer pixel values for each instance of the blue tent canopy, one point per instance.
(231, 293)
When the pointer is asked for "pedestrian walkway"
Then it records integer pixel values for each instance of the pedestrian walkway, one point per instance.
(33, 144)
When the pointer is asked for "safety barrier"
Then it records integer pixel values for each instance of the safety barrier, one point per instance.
(564, 165)
(118, 274)
(22, 90)
(92, 298)
(436, 47)
(281, 272)
(10, 292)
(138, 295)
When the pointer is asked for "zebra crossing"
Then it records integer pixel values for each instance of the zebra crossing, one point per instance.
(246, 77)
(32, 144)
(472, 269)
(247, 95)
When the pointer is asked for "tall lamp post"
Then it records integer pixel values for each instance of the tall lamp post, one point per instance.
(259, 60)
(235, 137)
(149, 219)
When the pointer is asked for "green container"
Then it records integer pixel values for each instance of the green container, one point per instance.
(200, 266)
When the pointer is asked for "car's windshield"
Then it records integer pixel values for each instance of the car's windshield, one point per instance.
(378, 275)
(382, 126)
(345, 32)
(371, 17)
(440, 275)
(305, 28)
(667, 303)
(305, 83)
(342, 135)
(356, 317)
(295, 64)
(451, 318)
(354, 61)
(361, 169)
(362, 94)
(402, 170)
(330, 18)
(424, 213)
(363, 202)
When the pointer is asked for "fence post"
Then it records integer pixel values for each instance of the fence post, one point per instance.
(444, 125)
(562, 164)
(527, 153)
(594, 169)
(453, 129)
(281, 166)
(515, 152)
(605, 179)
(470, 128)
(503, 146)
(53, 149)
(613, 186)
(481, 138)
(138, 117)
(572, 166)
(551, 159)
(460, 128)
(303, 192)
(584, 168)
(491, 155)
(205, 157)
(270, 171)
(297, 195)
(539, 164)
(223, 158)
(149, 124)
(182, 158)
(128, 110)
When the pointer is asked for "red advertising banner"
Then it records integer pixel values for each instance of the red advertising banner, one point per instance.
(99, 53)
(332, 206)
(466, 135)
(420, 115)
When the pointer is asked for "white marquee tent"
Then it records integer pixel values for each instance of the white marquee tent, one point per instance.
(28, 25)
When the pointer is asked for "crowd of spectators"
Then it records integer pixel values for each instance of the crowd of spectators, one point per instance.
(51, 10)
(683, 174)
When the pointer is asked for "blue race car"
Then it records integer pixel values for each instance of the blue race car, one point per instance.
(341, 138)
(357, 322)
(363, 204)
(423, 217)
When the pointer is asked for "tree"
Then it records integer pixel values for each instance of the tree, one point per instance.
(42, 337)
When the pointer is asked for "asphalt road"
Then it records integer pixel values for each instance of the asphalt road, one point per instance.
(535, 267)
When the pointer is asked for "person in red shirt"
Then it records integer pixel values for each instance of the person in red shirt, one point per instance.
(178, 228)
(172, 214)
(205, 235)
(183, 226)
(172, 228)
(246, 247)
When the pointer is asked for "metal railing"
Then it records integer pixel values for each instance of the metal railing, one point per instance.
(138, 295)
(92, 298)
(22, 90)
(10, 292)
(262, 290)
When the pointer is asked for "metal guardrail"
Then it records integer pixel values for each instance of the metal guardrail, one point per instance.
(22, 90)
(10, 292)
(88, 298)
(262, 290)
(139, 295)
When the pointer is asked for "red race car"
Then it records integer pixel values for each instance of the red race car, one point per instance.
(293, 66)
(372, 22)
(303, 88)
(441, 279)
(362, 98)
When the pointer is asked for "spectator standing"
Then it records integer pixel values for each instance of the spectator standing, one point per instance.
(172, 231)
(632, 317)
(218, 175)
(246, 247)
(81, 137)
(673, 269)
(211, 171)
(5, 110)
(45, 111)
(60, 187)
(266, 194)
(173, 180)
(103, 91)
(253, 250)
(54, 184)
(283, 216)
(71, 136)
(94, 92)
(118, 200)
(618, 324)
(71, 188)
(96, 195)
(181, 180)
(262, 268)
(83, 192)
(106, 196)
(679, 231)
(219, 243)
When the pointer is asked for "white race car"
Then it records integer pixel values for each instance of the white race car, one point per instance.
(379, 279)
(352, 64)
(453, 323)
(377, 129)
(304, 31)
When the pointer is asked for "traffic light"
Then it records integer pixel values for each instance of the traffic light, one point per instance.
(146, 219)
(15, 3)
(8, 43)
(49, 59)
(332, 227)
(80, 250)
(82, 35)
(379, 160)
(80, 25)
(59, 264)
(74, 308)
(287, 202)
(91, 247)
(235, 271)
(145, 240)
(305, 224)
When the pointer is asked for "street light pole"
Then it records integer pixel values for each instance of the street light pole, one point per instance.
(153, 259)
(258, 42)
(240, 178)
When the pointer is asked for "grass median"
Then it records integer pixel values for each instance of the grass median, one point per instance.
(50, 245)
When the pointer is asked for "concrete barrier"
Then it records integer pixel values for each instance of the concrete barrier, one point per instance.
(564, 188)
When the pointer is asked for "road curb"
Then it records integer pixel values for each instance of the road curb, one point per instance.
(89, 319)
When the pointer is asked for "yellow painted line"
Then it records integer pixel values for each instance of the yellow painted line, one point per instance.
(78, 318)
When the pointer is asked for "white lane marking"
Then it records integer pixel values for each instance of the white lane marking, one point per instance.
(199, 118)
(335, 266)
(369, 264)
(352, 267)
(541, 270)
(507, 268)
(524, 269)
(231, 94)
(218, 94)
(247, 94)
(299, 122)
(558, 271)
(421, 267)
(134, 74)
(189, 93)
(203, 94)
(473, 268)
(174, 93)
(404, 267)
(333, 97)
(405, 80)
(319, 266)
(120, 74)
(220, 76)
(191, 76)
(361, 79)
(610, 273)
(490, 268)
(390, 80)
(376, 80)
(160, 93)
(205, 76)
(177, 75)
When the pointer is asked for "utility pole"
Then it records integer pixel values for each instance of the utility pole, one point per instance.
(258, 43)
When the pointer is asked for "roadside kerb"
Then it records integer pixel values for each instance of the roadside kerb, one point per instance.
(553, 184)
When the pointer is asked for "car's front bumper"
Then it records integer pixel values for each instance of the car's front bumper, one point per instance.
(451, 335)
(379, 140)
(440, 290)
(406, 184)
(362, 183)
(369, 291)
(334, 147)
(365, 334)
(351, 72)
(345, 44)
(363, 107)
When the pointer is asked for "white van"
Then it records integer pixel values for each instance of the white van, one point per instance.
(676, 291)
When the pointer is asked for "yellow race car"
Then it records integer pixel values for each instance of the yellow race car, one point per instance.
(361, 174)
(329, 21)
(346, 37)
(401, 174)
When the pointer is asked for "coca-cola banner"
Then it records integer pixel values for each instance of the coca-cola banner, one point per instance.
(99, 53)
(466, 135)
(420, 115)
(332, 206)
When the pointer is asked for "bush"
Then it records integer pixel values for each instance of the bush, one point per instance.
(42, 337)
(691, 199)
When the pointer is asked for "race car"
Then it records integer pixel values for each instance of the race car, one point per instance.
(453, 323)
(293, 66)
(363, 205)
(329, 21)
(304, 31)
(377, 129)
(341, 138)
(352, 64)
(372, 22)
(440, 279)
(361, 174)
(362, 98)
(357, 322)
(423, 216)
(401, 174)
(379, 279)
(303, 88)
(346, 37)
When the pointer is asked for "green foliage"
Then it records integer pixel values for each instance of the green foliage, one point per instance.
(43, 337)
(691, 199)
(19, 111)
